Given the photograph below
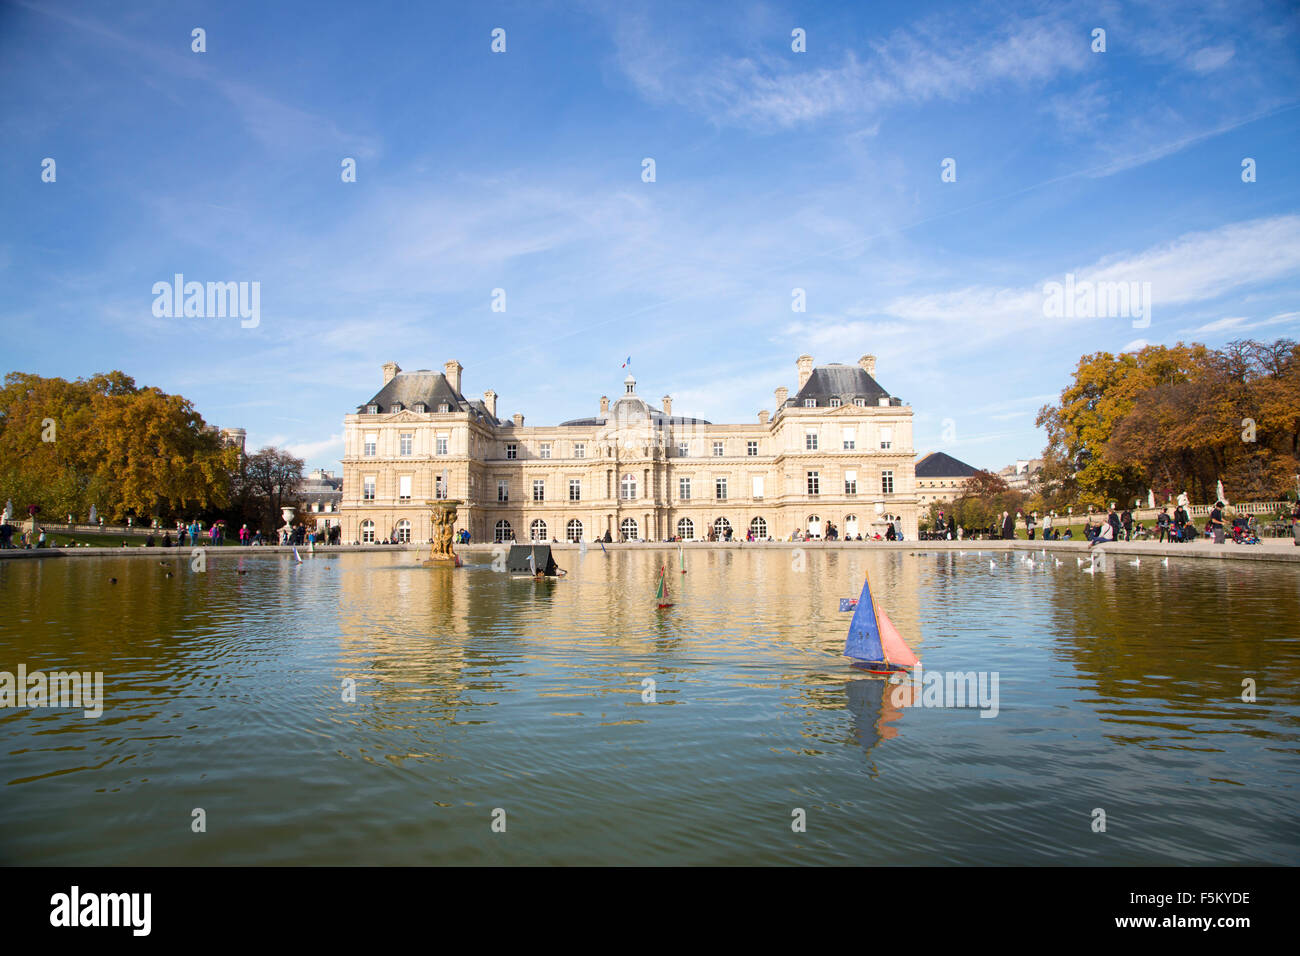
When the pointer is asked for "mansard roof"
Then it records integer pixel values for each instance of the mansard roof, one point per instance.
(432, 388)
(940, 465)
(845, 382)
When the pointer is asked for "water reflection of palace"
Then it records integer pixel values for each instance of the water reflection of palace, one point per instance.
(444, 635)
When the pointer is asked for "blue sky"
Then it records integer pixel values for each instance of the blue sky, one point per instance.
(522, 170)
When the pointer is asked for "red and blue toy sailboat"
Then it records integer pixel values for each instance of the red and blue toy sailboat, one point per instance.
(874, 643)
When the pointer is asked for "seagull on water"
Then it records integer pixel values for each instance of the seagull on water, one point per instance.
(1165, 562)
(1136, 562)
(1091, 568)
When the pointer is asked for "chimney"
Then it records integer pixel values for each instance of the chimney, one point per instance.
(490, 401)
(390, 370)
(782, 394)
(519, 420)
(668, 405)
(762, 417)
(604, 404)
(452, 370)
(868, 363)
(805, 364)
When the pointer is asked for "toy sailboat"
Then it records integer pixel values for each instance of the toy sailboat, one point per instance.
(681, 555)
(874, 643)
(661, 590)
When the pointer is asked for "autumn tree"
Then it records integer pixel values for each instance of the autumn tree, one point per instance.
(1176, 419)
(103, 441)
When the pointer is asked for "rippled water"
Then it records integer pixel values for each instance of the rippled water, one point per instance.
(475, 691)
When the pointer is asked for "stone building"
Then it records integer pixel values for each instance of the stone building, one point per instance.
(940, 477)
(838, 451)
(321, 496)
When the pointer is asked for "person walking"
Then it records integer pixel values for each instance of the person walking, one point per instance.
(1047, 525)
(1031, 521)
(1008, 526)
(1216, 522)
(1126, 521)
(1112, 519)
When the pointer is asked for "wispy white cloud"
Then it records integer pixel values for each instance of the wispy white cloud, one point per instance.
(914, 65)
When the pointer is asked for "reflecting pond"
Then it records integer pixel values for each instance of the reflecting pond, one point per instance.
(593, 727)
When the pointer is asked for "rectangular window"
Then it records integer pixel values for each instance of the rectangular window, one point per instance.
(404, 487)
(545, 451)
(886, 437)
(810, 441)
(751, 449)
(850, 482)
(368, 488)
(575, 489)
(758, 486)
(835, 403)
(683, 450)
(887, 482)
(814, 483)
(372, 442)
(720, 489)
(717, 449)
(684, 489)
(444, 408)
(440, 486)
(512, 450)
(539, 489)
(860, 402)
(810, 403)
(441, 446)
(579, 450)
(503, 491)
(406, 442)
(850, 436)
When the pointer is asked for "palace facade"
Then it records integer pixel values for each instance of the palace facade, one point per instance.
(836, 452)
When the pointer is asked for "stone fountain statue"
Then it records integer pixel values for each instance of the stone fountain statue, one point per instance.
(443, 517)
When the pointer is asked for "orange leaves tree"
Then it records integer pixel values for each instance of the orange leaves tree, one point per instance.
(103, 441)
(1176, 419)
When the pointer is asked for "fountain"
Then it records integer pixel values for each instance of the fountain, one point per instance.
(443, 515)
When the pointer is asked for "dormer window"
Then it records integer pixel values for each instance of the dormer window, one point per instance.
(860, 402)
(372, 409)
(835, 403)
(421, 407)
(397, 407)
(810, 403)
(444, 408)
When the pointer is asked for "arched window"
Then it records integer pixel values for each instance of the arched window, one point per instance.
(720, 527)
(758, 528)
(537, 530)
(503, 532)
(686, 529)
(403, 531)
(573, 531)
(367, 532)
(628, 488)
(814, 526)
(628, 529)
(850, 525)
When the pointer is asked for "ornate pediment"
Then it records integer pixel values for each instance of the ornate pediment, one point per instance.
(405, 415)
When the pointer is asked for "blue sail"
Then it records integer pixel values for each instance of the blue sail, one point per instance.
(863, 643)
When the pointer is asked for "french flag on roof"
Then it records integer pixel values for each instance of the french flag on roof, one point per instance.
(628, 362)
